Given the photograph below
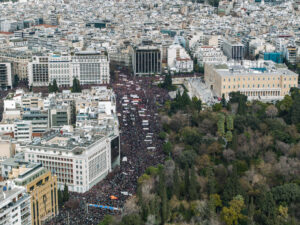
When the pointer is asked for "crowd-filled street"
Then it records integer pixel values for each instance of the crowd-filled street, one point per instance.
(137, 104)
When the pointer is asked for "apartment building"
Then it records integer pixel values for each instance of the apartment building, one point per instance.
(255, 79)
(14, 205)
(146, 60)
(209, 54)
(78, 159)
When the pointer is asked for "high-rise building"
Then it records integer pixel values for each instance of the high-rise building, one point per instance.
(146, 60)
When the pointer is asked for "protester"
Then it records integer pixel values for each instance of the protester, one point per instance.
(133, 150)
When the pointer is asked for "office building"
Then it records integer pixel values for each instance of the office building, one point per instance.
(91, 67)
(87, 67)
(233, 50)
(60, 69)
(39, 121)
(255, 79)
(146, 60)
(60, 116)
(78, 159)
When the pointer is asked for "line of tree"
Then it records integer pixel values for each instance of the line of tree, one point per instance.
(53, 87)
(251, 176)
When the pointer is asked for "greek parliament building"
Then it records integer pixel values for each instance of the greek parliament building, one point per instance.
(146, 60)
(255, 79)
(87, 67)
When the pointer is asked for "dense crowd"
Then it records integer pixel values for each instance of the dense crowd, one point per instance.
(136, 153)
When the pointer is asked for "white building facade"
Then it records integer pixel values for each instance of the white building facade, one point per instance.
(79, 165)
(179, 60)
(87, 67)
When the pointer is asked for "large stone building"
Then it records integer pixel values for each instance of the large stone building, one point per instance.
(255, 79)
(79, 159)
(87, 67)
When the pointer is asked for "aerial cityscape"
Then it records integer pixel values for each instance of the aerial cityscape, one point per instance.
(139, 112)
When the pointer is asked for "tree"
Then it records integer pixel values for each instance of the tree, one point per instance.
(16, 81)
(176, 183)
(232, 214)
(216, 200)
(193, 185)
(76, 86)
(220, 125)
(65, 193)
(295, 110)
(237, 97)
(60, 198)
(223, 101)
(229, 136)
(286, 193)
(271, 111)
(107, 220)
(229, 122)
(54, 86)
(167, 148)
(232, 186)
(186, 181)
(217, 107)
(197, 104)
(167, 84)
(132, 219)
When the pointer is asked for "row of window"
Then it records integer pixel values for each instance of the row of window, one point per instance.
(238, 79)
(259, 86)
